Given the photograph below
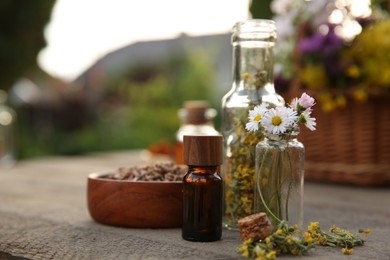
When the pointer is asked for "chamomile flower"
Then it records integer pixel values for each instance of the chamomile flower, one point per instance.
(309, 122)
(255, 117)
(278, 120)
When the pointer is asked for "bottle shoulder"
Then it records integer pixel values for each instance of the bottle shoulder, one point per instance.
(242, 97)
(188, 129)
(202, 176)
(282, 144)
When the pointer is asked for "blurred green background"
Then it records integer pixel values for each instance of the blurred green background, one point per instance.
(133, 108)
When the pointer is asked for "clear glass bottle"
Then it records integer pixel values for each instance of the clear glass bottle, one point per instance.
(7, 128)
(253, 42)
(202, 188)
(196, 119)
(279, 179)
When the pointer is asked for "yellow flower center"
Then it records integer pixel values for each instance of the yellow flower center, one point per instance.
(246, 75)
(276, 120)
(257, 118)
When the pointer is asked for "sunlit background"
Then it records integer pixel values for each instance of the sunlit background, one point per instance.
(81, 32)
(98, 75)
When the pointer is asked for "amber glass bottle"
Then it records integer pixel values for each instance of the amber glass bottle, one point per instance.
(202, 188)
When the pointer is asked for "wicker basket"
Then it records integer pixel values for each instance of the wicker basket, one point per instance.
(351, 145)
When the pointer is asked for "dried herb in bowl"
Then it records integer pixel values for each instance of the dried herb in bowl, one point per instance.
(164, 171)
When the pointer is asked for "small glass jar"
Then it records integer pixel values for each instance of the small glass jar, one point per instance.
(279, 179)
(7, 128)
(253, 42)
(196, 119)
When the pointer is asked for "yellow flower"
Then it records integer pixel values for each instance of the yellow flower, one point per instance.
(328, 105)
(365, 231)
(360, 95)
(289, 240)
(294, 251)
(271, 255)
(308, 238)
(245, 199)
(313, 226)
(279, 232)
(261, 253)
(327, 102)
(369, 51)
(314, 76)
(340, 101)
(244, 248)
(334, 229)
(268, 242)
(248, 209)
(347, 251)
(246, 75)
(353, 71)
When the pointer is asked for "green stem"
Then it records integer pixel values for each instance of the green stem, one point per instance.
(260, 193)
(279, 183)
(291, 180)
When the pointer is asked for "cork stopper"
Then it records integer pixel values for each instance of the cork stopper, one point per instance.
(196, 112)
(203, 150)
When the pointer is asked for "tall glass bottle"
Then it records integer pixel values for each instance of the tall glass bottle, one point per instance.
(253, 42)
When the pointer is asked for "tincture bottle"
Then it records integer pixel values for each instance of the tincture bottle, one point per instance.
(196, 119)
(202, 188)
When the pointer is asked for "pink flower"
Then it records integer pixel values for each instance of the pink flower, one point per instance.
(306, 101)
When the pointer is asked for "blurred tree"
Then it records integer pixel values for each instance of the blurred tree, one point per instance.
(138, 108)
(22, 24)
(261, 9)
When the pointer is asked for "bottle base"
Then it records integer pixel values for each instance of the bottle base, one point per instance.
(202, 237)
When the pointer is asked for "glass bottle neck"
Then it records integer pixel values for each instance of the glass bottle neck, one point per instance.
(203, 169)
(253, 59)
(253, 66)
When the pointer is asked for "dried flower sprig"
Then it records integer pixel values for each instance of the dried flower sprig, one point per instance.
(285, 240)
(289, 240)
(337, 237)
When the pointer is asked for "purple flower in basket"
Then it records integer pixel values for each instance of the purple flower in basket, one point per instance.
(319, 42)
(334, 67)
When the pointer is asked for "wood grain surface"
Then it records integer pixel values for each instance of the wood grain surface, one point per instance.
(44, 215)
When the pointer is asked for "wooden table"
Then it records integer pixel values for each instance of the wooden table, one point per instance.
(43, 215)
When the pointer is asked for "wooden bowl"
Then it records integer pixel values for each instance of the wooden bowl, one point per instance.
(139, 204)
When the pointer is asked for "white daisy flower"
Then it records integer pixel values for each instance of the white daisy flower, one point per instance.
(294, 104)
(309, 122)
(278, 120)
(255, 117)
